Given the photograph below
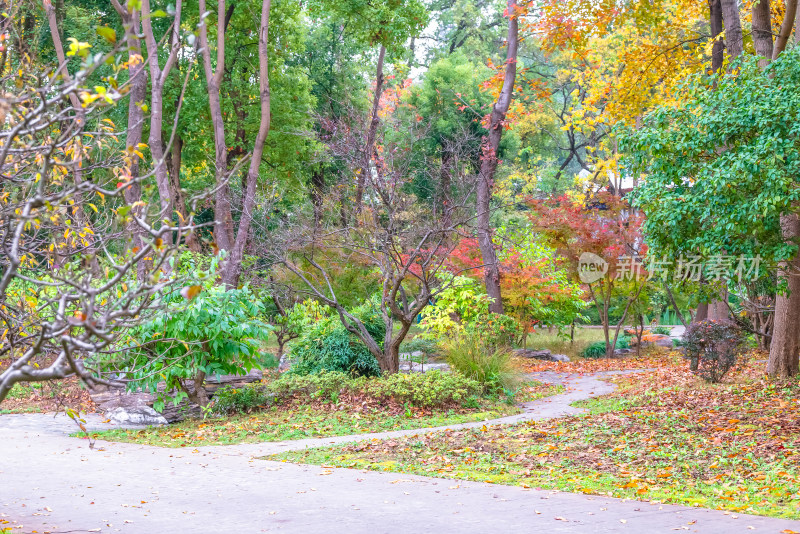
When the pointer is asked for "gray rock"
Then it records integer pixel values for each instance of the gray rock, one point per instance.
(623, 352)
(658, 340)
(543, 354)
(109, 398)
(136, 415)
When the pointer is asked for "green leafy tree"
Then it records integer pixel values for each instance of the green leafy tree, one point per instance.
(203, 331)
(721, 180)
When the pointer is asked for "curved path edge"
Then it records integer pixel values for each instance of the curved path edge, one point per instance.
(579, 387)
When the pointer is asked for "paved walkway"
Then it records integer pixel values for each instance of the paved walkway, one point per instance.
(53, 483)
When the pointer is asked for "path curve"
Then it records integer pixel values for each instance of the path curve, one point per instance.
(53, 483)
(579, 387)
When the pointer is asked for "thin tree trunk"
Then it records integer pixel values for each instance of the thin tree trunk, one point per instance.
(785, 347)
(448, 168)
(797, 26)
(174, 162)
(734, 41)
(762, 31)
(79, 121)
(234, 264)
(136, 96)
(157, 78)
(718, 49)
(317, 186)
(371, 132)
(490, 143)
(675, 306)
(786, 28)
(223, 218)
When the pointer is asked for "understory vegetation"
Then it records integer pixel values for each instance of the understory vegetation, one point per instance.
(663, 436)
(332, 404)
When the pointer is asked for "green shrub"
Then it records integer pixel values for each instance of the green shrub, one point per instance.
(244, 399)
(328, 346)
(494, 330)
(430, 389)
(434, 388)
(484, 362)
(713, 348)
(662, 330)
(324, 384)
(598, 348)
(595, 350)
(217, 331)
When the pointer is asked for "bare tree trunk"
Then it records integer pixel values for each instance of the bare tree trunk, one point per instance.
(223, 218)
(718, 50)
(762, 31)
(317, 186)
(675, 306)
(234, 264)
(157, 78)
(136, 96)
(390, 363)
(734, 41)
(490, 143)
(446, 179)
(197, 393)
(797, 26)
(786, 28)
(718, 310)
(783, 353)
(372, 132)
(174, 161)
(702, 312)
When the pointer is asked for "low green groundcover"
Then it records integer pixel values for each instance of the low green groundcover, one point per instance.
(323, 414)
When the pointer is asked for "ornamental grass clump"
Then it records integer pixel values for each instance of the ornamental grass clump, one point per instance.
(487, 363)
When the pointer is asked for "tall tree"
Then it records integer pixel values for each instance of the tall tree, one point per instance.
(491, 143)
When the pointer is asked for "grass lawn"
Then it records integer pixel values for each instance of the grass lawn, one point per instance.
(664, 436)
(318, 419)
(543, 339)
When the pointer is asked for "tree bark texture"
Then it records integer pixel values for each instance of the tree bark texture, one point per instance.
(762, 31)
(491, 143)
(785, 347)
(734, 41)
(718, 49)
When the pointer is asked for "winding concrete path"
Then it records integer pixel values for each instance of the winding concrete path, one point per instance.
(52, 483)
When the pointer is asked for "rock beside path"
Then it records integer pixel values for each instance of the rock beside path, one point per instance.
(654, 340)
(543, 354)
(129, 407)
(136, 415)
